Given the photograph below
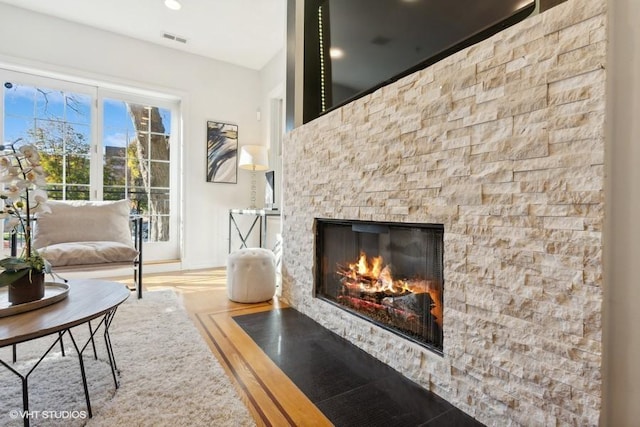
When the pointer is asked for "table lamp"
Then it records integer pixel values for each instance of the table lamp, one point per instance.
(253, 158)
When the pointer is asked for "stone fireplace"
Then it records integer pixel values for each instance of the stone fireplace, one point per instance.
(503, 145)
(388, 273)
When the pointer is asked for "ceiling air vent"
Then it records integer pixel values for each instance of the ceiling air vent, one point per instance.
(173, 37)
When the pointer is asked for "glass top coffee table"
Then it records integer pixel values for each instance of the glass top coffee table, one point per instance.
(87, 300)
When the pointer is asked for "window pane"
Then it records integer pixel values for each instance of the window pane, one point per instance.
(114, 193)
(48, 135)
(77, 170)
(165, 115)
(18, 100)
(54, 192)
(114, 171)
(52, 163)
(158, 229)
(77, 139)
(78, 192)
(160, 201)
(79, 109)
(49, 103)
(159, 148)
(159, 120)
(159, 172)
(16, 127)
(143, 145)
(138, 197)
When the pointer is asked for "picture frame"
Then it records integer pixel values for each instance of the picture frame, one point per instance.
(222, 152)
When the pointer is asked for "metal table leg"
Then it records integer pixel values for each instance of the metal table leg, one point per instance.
(106, 320)
(25, 380)
(244, 237)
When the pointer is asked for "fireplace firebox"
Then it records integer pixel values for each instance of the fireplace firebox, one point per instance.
(388, 273)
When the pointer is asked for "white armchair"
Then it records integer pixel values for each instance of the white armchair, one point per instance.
(89, 235)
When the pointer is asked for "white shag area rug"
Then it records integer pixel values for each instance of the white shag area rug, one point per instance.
(168, 375)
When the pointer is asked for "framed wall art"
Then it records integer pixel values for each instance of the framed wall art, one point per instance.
(222, 152)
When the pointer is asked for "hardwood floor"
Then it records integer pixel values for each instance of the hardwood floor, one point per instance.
(271, 397)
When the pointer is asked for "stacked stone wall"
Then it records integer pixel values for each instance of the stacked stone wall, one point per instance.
(503, 143)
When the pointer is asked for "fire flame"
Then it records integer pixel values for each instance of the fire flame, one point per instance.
(371, 275)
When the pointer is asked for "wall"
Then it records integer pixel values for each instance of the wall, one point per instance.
(622, 229)
(503, 143)
(209, 89)
(273, 77)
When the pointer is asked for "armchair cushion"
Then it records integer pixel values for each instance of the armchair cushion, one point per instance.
(82, 253)
(83, 221)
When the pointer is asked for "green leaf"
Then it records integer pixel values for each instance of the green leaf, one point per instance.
(14, 264)
(8, 277)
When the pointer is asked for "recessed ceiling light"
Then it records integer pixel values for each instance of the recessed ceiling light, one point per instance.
(172, 4)
(336, 53)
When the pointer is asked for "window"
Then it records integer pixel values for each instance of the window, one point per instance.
(99, 145)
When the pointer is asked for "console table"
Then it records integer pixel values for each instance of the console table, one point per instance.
(87, 300)
(260, 217)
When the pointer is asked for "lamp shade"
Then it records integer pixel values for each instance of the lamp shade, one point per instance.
(254, 158)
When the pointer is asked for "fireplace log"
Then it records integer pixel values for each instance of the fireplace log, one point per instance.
(352, 277)
(424, 323)
(415, 303)
(375, 308)
(356, 290)
(422, 327)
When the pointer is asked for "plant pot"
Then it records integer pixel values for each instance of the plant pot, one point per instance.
(29, 287)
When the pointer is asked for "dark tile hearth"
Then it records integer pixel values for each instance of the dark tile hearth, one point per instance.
(348, 385)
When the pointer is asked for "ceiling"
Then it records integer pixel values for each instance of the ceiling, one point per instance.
(243, 32)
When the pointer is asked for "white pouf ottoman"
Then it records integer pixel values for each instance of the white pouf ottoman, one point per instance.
(251, 275)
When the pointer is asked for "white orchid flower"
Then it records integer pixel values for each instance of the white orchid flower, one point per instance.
(9, 174)
(30, 153)
(22, 174)
(40, 208)
(35, 178)
(38, 196)
(5, 162)
(12, 192)
(6, 178)
(20, 183)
